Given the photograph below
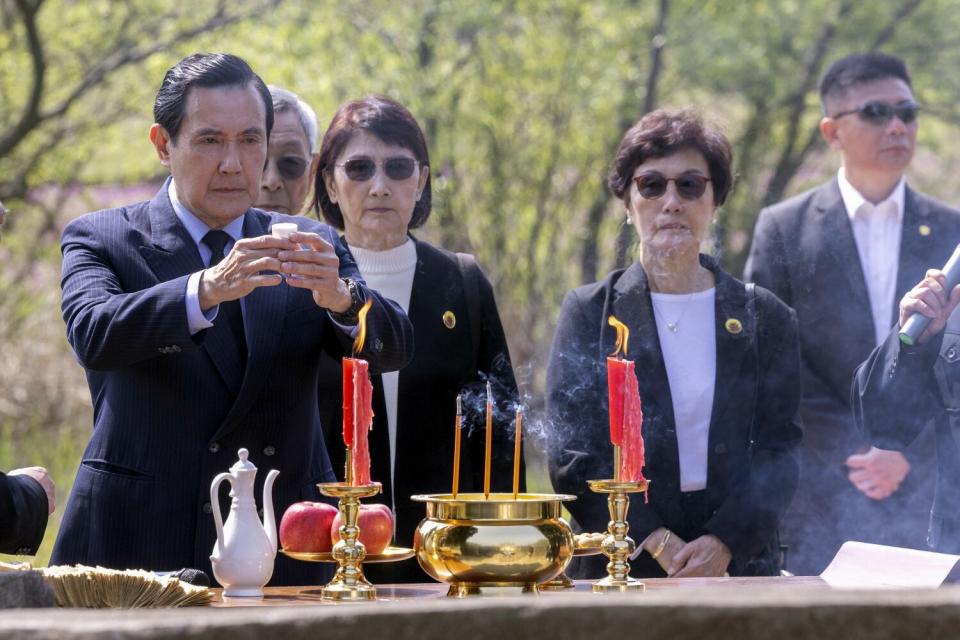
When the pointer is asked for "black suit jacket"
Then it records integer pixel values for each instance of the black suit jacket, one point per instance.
(171, 410)
(23, 514)
(921, 381)
(751, 470)
(804, 251)
(444, 364)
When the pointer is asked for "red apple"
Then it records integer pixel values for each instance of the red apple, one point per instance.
(375, 522)
(305, 526)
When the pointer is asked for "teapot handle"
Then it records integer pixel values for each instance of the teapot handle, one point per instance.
(215, 504)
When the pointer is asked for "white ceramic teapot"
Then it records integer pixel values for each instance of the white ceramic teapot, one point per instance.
(245, 549)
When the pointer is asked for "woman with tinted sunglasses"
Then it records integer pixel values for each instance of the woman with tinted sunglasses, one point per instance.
(374, 183)
(717, 363)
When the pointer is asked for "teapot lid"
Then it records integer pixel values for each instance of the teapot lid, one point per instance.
(243, 464)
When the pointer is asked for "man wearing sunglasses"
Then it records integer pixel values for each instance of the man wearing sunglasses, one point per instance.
(291, 155)
(842, 255)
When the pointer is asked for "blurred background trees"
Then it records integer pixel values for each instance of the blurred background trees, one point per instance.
(523, 104)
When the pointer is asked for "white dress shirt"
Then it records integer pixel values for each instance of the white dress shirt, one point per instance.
(877, 229)
(197, 319)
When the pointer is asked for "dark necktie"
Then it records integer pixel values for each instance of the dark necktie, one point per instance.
(230, 311)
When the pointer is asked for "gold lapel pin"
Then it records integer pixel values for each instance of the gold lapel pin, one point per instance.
(449, 319)
(732, 325)
(924, 230)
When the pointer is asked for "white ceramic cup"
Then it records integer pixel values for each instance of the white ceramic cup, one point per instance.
(283, 229)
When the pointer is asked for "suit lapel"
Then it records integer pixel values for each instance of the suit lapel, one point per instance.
(918, 243)
(408, 443)
(732, 345)
(173, 255)
(838, 245)
(632, 306)
(263, 312)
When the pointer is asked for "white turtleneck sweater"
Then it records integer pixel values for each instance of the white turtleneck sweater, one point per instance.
(390, 273)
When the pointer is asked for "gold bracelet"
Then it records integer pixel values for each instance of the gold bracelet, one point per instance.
(662, 545)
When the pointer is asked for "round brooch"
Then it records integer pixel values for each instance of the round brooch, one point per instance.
(734, 326)
(924, 230)
(449, 319)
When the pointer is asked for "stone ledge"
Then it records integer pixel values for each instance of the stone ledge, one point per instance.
(20, 589)
(694, 614)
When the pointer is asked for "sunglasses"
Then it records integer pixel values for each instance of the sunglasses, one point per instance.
(882, 112)
(362, 169)
(291, 167)
(690, 185)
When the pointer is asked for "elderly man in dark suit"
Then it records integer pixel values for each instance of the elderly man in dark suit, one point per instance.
(292, 156)
(201, 334)
(842, 255)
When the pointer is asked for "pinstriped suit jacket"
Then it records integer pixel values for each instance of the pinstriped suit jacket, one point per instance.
(170, 411)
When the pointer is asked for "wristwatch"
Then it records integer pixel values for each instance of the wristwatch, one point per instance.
(357, 299)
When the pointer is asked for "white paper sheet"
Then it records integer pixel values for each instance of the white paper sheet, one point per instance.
(862, 565)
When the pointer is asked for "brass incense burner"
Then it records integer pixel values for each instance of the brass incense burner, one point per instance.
(500, 544)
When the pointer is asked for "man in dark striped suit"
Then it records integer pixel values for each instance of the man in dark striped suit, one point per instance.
(201, 333)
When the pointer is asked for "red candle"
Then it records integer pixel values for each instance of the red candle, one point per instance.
(357, 418)
(348, 425)
(616, 375)
(357, 407)
(626, 415)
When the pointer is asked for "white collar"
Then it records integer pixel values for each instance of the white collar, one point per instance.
(196, 227)
(853, 200)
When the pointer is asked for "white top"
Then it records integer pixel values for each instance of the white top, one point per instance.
(390, 273)
(690, 356)
(876, 230)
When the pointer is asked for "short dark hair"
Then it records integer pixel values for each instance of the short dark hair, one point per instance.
(208, 70)
(659, 134)
(390, 122)
(860, 68)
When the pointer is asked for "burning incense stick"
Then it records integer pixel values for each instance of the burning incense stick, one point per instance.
(489, 449)
(456, 448)
(516, 455)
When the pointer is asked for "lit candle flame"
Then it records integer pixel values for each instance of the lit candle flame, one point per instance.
(623, 336)
(362, 327)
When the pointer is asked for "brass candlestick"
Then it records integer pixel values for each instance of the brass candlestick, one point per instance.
(349, 583)
(617, 546)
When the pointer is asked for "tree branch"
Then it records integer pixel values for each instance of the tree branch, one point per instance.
(124, 56)
(658, 41)
(30, 118)
(796, 102)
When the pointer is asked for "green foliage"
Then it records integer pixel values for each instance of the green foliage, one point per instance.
(523, 104)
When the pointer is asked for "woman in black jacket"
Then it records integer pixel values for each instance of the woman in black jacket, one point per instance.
(374, 183)
(717, 364)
